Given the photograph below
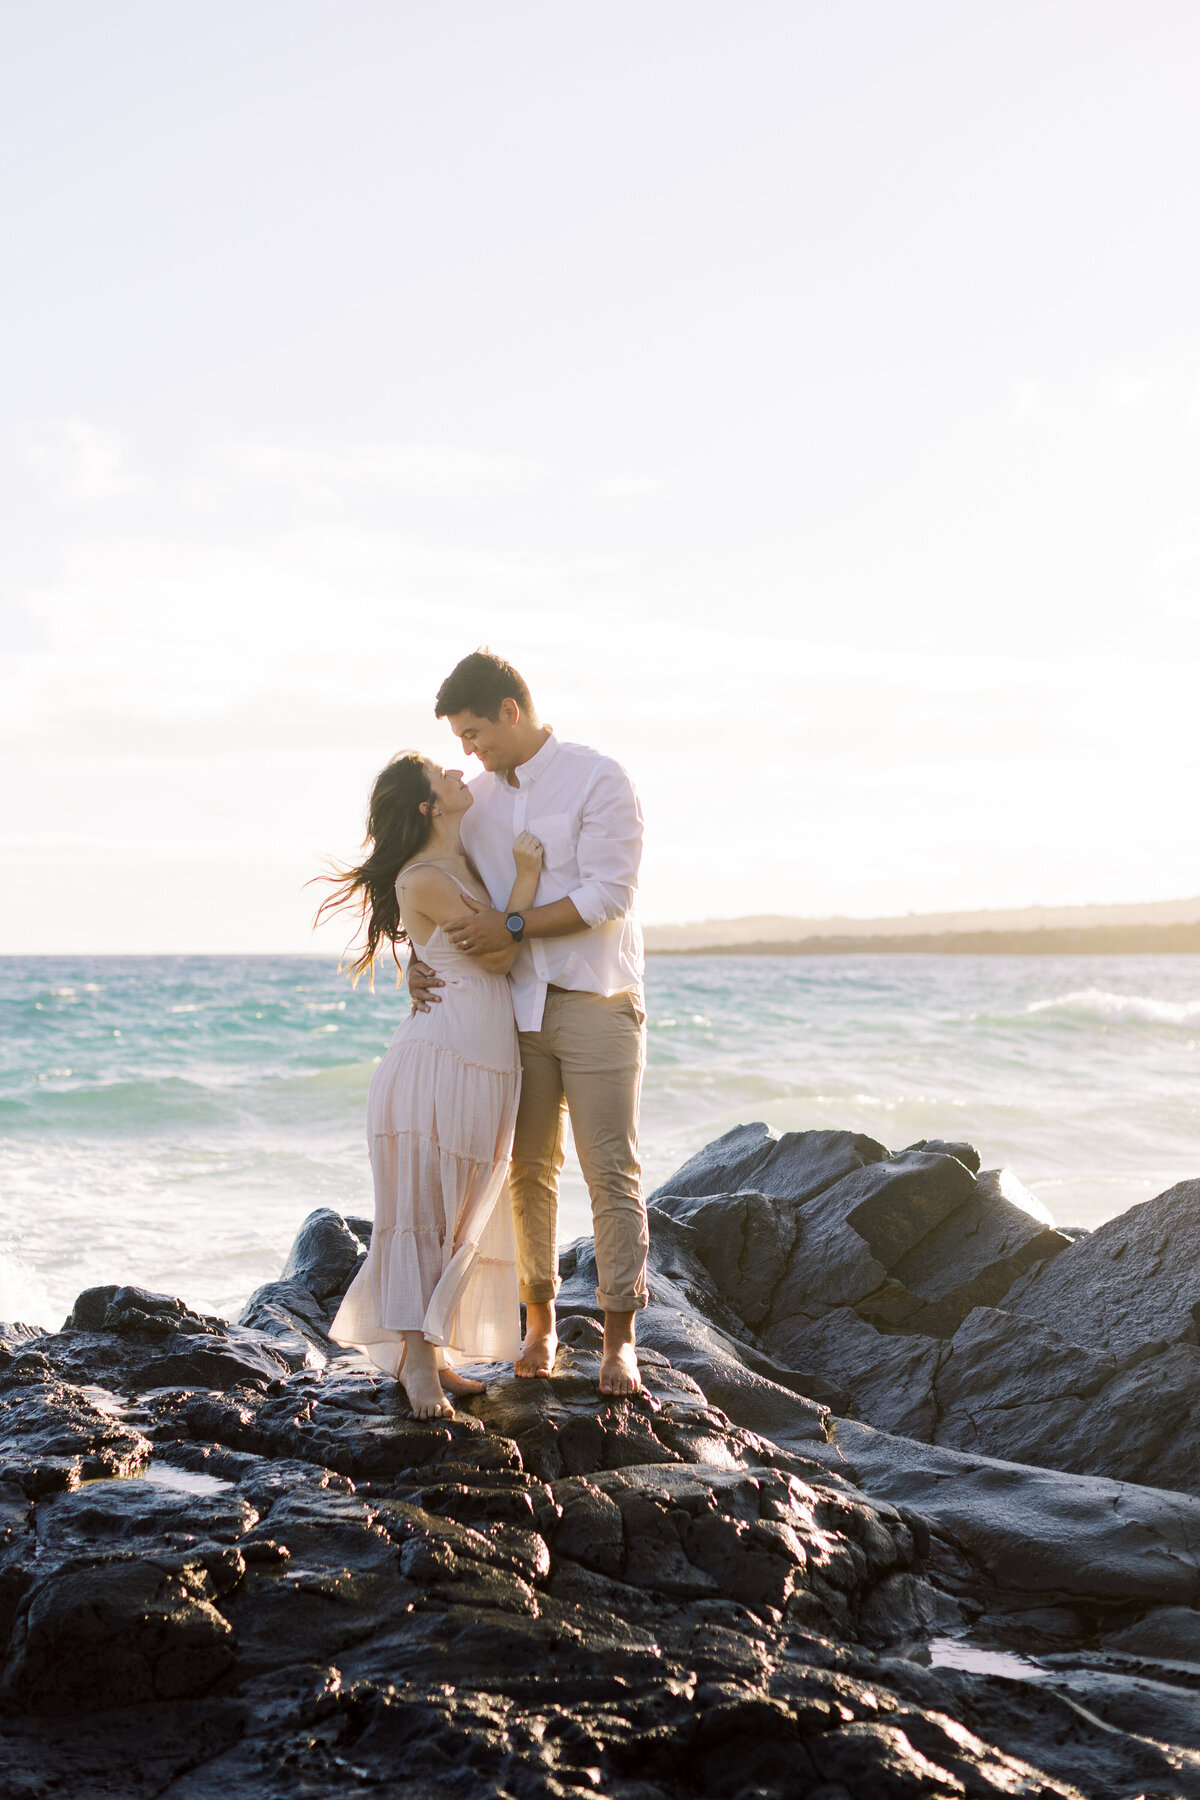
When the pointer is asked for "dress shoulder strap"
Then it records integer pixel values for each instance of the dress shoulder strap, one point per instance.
(432, 865)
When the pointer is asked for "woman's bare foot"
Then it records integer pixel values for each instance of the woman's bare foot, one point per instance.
(419, 1377)
(541, 1341)
(454, 1383)
(618, 1362)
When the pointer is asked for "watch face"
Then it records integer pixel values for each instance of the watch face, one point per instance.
(515, 922)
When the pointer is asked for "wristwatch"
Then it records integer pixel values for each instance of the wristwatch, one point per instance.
(516, 924)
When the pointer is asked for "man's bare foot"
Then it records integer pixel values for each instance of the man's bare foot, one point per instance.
(419, 1378)
(618, 1363)
(541, 1341)
(461, 1384)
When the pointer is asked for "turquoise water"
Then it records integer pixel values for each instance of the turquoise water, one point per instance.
(170, 1120)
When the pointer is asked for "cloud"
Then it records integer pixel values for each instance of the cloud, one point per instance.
(1114, 395)
(337, 476)
(629, 487)
(1122, 392)
(81, 461)
(236, 672)
(1032, 404)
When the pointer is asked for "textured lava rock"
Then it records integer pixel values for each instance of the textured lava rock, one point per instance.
(797, 1166)
(1011, 1387)
(1164, 1632)
(794, 1227)
(720, 1587)
(290, 1314)
(911, 1242)
(117, 1633)
(1132, 1282)
(326, 1255)
(53, 1434)
(1038, 1532)
(688, 1321)
(745, 1241)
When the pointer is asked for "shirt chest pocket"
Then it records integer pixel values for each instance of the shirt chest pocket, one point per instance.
(558, 838)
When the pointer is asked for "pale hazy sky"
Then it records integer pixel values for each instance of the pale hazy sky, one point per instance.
(806, 398)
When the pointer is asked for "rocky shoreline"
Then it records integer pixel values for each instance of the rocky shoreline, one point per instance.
(910, 1507)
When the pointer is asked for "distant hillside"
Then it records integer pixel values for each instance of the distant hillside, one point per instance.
(1165, 926)
(1100, 940)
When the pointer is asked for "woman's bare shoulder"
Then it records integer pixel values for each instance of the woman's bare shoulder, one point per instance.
(424, 878)
(432, 892)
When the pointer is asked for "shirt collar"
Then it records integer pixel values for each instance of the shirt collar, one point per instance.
(539, 762)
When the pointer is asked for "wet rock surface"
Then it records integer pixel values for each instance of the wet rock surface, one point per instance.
(933, 1300)
(1133, 1282)
(232, 1564)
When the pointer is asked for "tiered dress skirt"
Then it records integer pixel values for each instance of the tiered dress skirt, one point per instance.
(440, 1118)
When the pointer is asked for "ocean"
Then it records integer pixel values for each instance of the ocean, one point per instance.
(169, 1121)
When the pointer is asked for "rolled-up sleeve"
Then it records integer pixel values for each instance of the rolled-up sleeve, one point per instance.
(610, 848)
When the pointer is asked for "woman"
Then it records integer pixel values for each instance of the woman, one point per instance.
(439, 1284)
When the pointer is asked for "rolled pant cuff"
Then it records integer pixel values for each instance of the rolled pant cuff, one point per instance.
(621, 1302)
(539, 1293)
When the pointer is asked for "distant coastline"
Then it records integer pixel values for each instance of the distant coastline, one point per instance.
(1164, 927)
(1096, 940)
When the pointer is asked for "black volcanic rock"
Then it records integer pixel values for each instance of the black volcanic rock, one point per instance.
(721, 1165)
(1103, 1546)
(1170, 1633)
(325, 1255)
(794, 1227)
(90, 1306)
(902, 1285)
(744, 1241)
(964, 1153)
(795, 1167)
(297, 1310)
(55, 1434)
(1133, 1281)
(889, 1377)
(1007, 1386)
(691, 1324)
(290, 1314)
(130, 1360)
(119, 1633)
(281, 1584)
(912, 1242)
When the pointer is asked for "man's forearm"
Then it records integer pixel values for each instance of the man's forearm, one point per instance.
(482, 931)
(558, 918)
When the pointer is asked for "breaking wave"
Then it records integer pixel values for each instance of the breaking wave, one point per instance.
(1119, 1009)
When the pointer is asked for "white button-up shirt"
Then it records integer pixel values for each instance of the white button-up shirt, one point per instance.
(584, 809)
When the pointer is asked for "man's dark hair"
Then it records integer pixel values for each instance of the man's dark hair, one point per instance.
(478, 684)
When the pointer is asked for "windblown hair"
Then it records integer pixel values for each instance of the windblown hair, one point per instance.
(479, 684)
(397, 830)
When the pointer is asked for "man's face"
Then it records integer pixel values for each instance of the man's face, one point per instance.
(493, 741)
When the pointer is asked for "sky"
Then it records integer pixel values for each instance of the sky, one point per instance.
(805, 398)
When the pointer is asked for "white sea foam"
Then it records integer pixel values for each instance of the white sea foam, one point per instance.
(1141, 1009)
(23, 1297)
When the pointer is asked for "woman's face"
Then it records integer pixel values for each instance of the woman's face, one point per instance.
(449, 789)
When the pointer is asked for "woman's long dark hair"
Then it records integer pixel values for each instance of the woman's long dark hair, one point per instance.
(397, 830)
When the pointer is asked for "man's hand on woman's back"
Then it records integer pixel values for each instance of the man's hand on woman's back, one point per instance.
(422, 982)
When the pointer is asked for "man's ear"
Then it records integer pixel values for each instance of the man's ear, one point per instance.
(510, 712)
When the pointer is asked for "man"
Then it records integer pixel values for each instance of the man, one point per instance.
(576, 987)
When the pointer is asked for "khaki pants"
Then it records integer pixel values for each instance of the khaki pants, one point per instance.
(587, 1060)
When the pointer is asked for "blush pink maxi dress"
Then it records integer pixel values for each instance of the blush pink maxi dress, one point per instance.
(440, 1117)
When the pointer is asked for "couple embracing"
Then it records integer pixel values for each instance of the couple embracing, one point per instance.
(516, 894)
